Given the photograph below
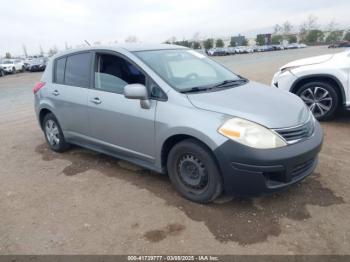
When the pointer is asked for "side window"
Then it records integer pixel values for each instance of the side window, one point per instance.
(59, 70)
(113, 73)
(77, 71)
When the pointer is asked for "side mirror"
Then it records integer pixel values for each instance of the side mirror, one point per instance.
(136, 91)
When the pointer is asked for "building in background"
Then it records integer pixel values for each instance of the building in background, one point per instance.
(239, 40)
(267, 38)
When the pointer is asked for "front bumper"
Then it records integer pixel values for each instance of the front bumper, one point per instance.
(8, 69)
(251, 172)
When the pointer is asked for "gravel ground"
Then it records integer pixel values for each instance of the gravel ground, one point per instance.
(81, 202)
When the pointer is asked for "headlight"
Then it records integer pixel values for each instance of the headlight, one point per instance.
(251, 134)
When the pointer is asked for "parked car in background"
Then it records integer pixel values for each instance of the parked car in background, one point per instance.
(322, 82)
(37, 64)
(278, 47)
(175, 111)
(218, 51)
(340, 44)
(231, 50)
(12, 66)
(2, 71)
(240, 50)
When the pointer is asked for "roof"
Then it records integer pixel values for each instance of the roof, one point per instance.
(128, 47)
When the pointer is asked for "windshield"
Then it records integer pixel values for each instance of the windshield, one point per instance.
(7, 62)
(184, 69)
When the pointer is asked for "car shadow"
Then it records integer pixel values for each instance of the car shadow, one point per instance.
(245, 221)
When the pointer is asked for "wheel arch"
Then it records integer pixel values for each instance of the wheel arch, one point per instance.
(174, 139)
(339, 88)
(42, 113)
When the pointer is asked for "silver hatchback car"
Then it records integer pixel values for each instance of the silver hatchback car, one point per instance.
(177, 112)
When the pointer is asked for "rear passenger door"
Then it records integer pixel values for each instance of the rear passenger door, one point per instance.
(69, 92)
(117, 123)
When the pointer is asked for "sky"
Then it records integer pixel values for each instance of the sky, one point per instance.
(49, 23)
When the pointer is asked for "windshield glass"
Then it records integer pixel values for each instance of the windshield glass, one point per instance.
(7, 62)
(184, 69)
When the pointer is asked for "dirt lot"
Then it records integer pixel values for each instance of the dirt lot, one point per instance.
(81, 202)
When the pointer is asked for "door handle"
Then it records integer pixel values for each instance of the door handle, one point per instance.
(96, 101)
(55, 93)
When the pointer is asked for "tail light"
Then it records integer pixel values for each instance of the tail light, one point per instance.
(38, 86)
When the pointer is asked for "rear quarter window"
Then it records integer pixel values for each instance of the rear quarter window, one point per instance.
(59, 70)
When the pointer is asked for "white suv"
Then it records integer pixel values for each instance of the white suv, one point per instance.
(322, 82)
(12, 65)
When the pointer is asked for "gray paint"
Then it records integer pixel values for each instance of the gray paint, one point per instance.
(121, 127)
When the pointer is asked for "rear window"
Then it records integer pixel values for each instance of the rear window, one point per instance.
(74, 70)
(77, 71)
(59, 70)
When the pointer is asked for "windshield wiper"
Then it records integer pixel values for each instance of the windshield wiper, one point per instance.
(227, 83)
(195, 89)
(223, 84)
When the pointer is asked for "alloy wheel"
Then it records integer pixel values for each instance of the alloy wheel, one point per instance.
(52, 132)
(318, 99)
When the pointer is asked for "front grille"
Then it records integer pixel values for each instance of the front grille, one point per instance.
(301, 168)
(295, 134)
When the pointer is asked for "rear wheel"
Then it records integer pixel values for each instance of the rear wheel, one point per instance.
(321, 98)
(193, 171)
(53, 134)
(14, 70)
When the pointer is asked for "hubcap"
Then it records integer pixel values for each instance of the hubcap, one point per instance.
(318, 99)
(192, 173)
(51, 131)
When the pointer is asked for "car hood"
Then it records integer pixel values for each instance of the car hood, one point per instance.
(309, 61)
(270, 107)
(6, 65)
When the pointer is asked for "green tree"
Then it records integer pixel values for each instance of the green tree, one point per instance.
(260, 39)
(347, 36)
(196, 45)
(219, 43)
(245, 42)
(314, 36)
(232, 42)
(7, 55)
(185, 43)
(208, 43)
(292, 39)
(276, 39)
(334, 36)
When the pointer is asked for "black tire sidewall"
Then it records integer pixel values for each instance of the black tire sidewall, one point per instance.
(191, 146)
(62, 145)
(331, 91)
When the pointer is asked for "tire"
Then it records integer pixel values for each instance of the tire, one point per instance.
(312, 92)
(14, 70)
(2, 73)
(194, 172)
(53, 134)
(23, 69)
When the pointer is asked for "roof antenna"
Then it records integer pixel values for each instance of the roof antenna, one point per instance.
(87, 42)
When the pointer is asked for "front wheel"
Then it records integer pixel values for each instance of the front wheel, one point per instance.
(321, 98)
(53, 134)
(194, 172)
(14, 70)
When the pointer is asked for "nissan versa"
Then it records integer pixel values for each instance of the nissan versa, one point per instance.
(173, 110)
